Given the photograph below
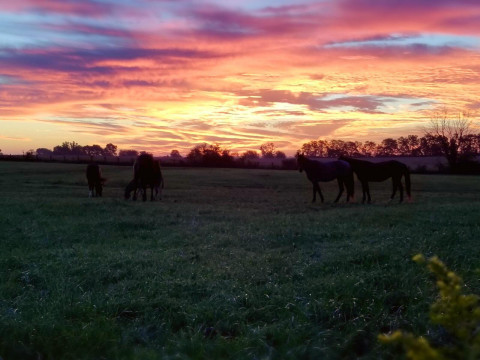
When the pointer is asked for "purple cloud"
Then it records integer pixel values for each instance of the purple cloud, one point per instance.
(315, 102)
(84, 60)
(89, 8)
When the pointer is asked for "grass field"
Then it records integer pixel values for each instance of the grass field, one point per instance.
(230, 264)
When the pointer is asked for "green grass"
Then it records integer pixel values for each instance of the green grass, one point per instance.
(230, 264)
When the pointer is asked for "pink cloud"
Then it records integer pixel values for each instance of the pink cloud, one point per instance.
(80, 7)
(367, 16)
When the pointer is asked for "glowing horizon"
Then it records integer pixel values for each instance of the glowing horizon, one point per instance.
(165, 75)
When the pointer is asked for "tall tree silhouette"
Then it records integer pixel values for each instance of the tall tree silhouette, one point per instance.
(450, 133)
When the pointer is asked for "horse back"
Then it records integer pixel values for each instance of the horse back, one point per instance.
(143, 168)
(380, 171)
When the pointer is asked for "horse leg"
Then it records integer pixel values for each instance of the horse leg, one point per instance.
(340, 188)
(349, 190)
(151, 193)
(90, 189)
(316, 188)
(395, 185)
(98, 189)
(350, 185)
(144, 195)
(367, 190)
(320, 192)
(400, 186)
(364, 191)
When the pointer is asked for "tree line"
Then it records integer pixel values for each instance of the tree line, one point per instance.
(199, 153)
(449, 137)
(410, 145)
(214, 154)
(73, 148)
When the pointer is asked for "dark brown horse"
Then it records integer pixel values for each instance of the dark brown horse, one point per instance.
(146, 173)
(370, 171)
(327, 171)
(95, 180)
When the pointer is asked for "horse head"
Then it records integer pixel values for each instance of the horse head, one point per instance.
(132, 186)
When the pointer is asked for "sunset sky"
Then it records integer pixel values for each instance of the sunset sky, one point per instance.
(163, 75)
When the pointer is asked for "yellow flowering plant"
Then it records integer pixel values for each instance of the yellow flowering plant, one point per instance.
(457, 313)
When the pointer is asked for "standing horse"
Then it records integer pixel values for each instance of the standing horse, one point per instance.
(146, 173)
(369, 171)
(95, 180)
(327, 171)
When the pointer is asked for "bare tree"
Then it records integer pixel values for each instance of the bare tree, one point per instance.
(450, 133)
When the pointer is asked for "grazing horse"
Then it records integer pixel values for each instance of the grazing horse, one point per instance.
(327, 171)
(369, 171)
(95, 180)
(146, 173)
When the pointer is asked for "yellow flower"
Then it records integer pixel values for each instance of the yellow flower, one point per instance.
(419, 259)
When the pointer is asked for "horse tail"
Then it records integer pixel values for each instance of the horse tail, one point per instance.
(408, 184)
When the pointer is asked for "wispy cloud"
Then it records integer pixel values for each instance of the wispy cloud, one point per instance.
(14, 138)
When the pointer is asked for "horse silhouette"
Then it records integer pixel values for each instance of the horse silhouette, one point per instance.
(146, 173)
(369, 171)
(327, 171)
(95, 180)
